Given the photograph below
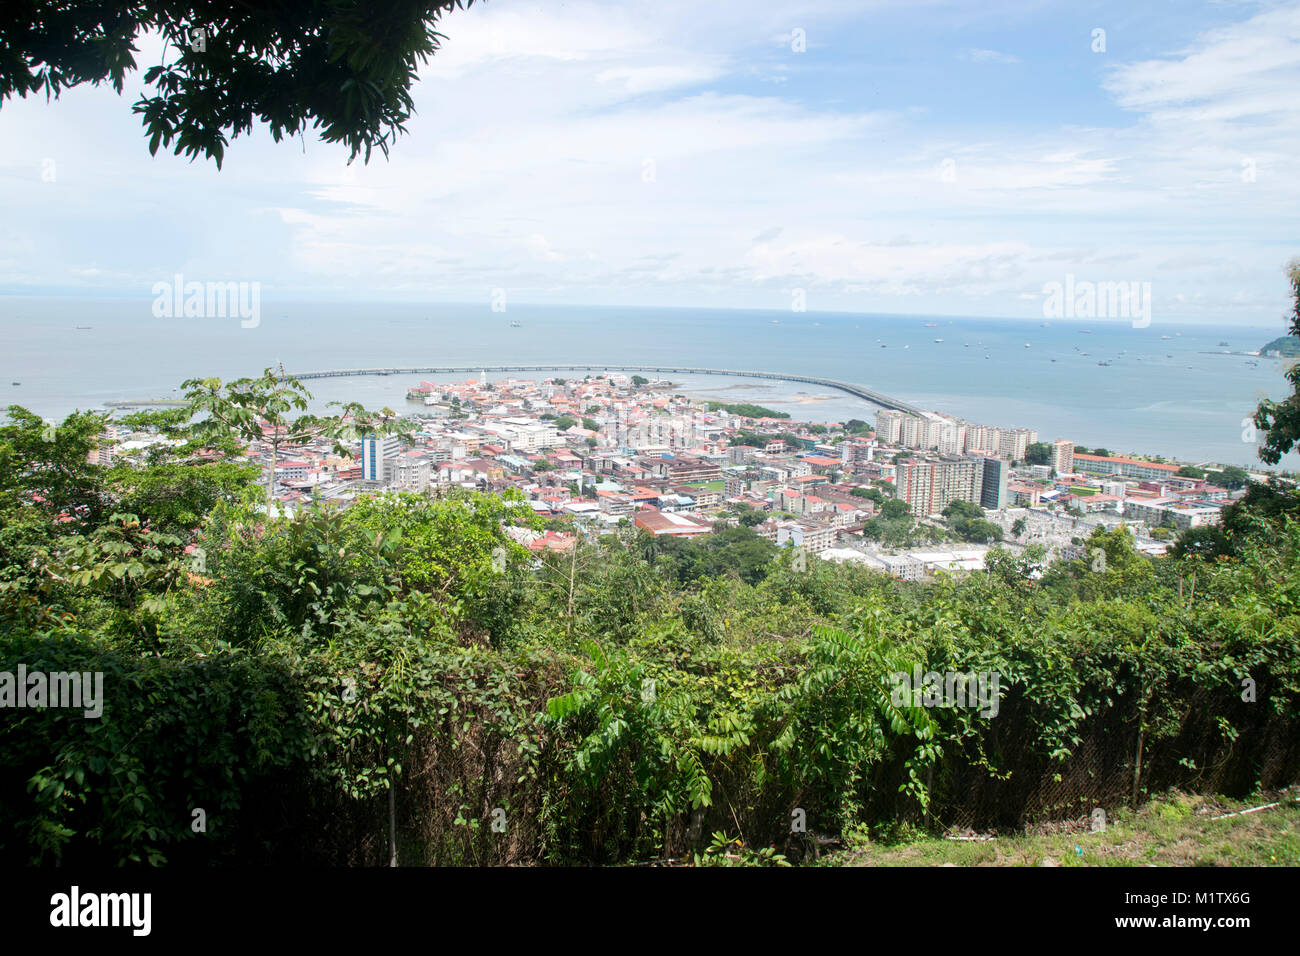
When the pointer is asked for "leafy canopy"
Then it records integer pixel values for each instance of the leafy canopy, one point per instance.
(341, 66)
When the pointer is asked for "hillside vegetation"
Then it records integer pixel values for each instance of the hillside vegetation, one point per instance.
(286, 690)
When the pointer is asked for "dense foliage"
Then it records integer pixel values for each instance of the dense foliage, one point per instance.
(342, 67)
(270, 682)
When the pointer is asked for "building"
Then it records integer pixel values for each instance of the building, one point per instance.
(1013, 444)
(889, 426)
(929, 485)
(903, 566)
(810, 537)
(1063, 457)
(952, 438)
(373, 452)
(669, 523)
(1158, 511)
(1124, 467)
(993, 483)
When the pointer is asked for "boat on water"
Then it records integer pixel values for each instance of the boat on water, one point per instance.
(1026, 345)
(1105, 363)
(938, 340)
(514, 325)
(1223, 343)
(932, 325)
(91, 327)
(1166, 336)
(15, 383)
(1085, 331)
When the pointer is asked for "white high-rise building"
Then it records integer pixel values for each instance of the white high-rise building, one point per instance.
(952, 438)
(374, 451)
(1063, 456)
(889, 426)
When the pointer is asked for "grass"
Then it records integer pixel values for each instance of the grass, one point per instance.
(1175, 830)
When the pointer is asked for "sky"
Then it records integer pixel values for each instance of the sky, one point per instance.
(918, 157)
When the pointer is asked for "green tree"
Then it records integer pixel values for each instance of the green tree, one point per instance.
(963, 509)
(894, 508)
(871, 494)
(564, 422)
(1280, 421)
(343, 67)
(1190, 471)
(44, 464)
(1231, 477)
(639, 380)
(263, 410)
(1038, 453)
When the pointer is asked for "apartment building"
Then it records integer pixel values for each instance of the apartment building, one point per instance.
(929, 485)
(1157, 511)
(374, 452)
(889, 426)
(802, 534)
(1013, 443)
(952, 438)
(1063, 456)
(981, 438)
(993, 483)
(1124, 467)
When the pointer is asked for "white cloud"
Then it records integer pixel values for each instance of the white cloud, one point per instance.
(991, 56)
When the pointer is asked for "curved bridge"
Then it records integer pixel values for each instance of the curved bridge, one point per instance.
(858, 391)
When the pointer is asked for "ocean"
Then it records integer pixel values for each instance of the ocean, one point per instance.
(1166, 389)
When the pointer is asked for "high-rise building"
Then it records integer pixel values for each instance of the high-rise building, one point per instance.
(1063, 456)
(929, 485)
(1013, 443)
(993, 483)
(981, 438)
(889, 426)
(952, 438)
(373, 452)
